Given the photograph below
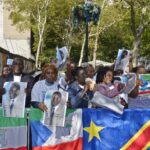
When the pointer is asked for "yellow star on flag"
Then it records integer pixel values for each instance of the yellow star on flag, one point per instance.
(93, 131)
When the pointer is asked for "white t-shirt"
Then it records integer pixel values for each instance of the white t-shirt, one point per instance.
(40, 88)
(17, 78)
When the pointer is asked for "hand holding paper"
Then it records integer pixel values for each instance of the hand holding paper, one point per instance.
(90, 83)
(42, 106)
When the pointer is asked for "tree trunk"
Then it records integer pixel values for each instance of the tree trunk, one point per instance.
(69, 49)
(41, 32)
(95, 46)
(38, 52)
(97, 36)
(41, 27)
(82, 52)
(136, 47)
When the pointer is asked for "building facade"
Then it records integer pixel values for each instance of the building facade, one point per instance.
(13, 42)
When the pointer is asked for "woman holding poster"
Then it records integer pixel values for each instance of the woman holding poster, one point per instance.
(41, 87)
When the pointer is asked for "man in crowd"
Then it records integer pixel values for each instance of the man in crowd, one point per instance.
(5, 71)
(17, 75)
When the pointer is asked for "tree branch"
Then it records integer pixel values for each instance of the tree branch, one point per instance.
(132, 13)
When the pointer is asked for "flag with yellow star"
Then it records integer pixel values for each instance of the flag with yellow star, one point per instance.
(106, 130)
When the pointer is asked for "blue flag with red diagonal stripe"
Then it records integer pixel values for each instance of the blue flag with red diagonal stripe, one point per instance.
(106, 130)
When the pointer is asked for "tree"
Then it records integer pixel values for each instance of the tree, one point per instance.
(59, 30)
(27, 14)
(123, 23)
(111, 14)
(139, 21)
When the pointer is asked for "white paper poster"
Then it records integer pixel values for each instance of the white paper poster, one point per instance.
(122, 60)
(13, 101)
(56, 102)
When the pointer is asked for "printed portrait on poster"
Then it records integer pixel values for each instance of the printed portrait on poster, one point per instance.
(13, 101)
(56, 102)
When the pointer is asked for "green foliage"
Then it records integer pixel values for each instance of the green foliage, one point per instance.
(59, 26)
(59, 30)
(145, 46)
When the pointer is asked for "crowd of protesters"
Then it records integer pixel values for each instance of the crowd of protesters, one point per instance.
(80, 82)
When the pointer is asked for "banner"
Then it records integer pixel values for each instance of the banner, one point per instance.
(13, 131)
(87, 129)
(106, 130)
(13, 134)
(95, 129)
(68, 137)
